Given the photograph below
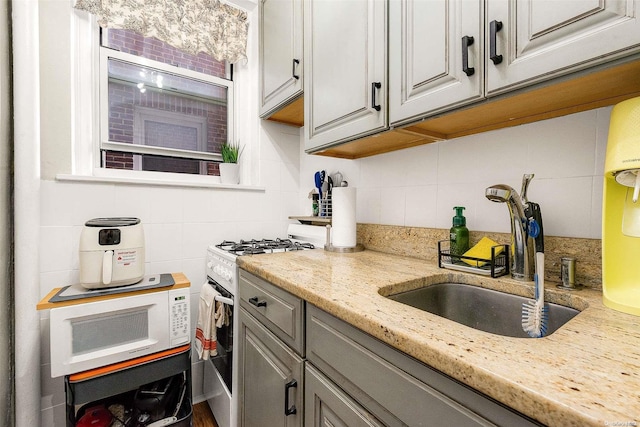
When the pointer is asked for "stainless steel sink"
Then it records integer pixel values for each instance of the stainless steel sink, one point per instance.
(479, 308)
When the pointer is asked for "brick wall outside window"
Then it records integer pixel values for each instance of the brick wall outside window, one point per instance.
(124, 98)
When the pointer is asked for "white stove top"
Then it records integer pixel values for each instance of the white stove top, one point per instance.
(221, 257)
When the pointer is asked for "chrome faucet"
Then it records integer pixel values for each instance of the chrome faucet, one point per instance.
(521, 212)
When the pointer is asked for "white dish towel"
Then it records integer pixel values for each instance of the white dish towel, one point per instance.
(210, 312)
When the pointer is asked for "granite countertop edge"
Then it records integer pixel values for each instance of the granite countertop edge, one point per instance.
(586, 373)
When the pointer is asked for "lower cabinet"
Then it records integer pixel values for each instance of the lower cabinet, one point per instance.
(299, 365)
(270, 378)
(326, 405)
(393, 387)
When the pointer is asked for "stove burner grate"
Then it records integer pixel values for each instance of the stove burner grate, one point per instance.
(253, 246)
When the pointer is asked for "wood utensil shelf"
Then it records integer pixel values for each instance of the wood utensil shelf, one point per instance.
(312, 220)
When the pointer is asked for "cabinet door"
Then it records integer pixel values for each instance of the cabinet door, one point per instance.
(345, 48)
(270, 378)
(395, 388)
(328, 406)
(539, 39)
(436, 53)
(280, 53)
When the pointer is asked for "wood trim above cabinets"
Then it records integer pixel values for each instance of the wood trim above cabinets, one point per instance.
(582, 91)
(560, 97)
(291, 114)
(604, 86)
(392, 140)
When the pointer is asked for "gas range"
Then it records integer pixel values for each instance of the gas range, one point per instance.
(221, 257)
(220, 376)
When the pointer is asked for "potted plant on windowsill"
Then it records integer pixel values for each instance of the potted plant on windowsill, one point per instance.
(230, 169)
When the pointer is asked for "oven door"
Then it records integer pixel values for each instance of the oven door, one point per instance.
(218, 370)
(223, 362)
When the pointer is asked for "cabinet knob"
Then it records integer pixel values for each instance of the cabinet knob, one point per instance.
(494, 27)
(466, 42)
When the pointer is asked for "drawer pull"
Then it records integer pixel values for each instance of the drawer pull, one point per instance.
(289, 410)
(257, 303)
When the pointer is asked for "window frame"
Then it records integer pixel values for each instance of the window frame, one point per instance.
(84, 147)
(106, 54)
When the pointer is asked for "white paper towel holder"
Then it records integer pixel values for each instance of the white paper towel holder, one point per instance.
(341, 249)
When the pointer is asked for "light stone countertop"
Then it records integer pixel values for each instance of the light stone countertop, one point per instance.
(585, 373)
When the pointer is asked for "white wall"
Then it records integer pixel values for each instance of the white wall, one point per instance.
(179, 222)
(420, 186)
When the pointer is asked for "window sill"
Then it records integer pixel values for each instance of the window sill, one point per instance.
(160, 179)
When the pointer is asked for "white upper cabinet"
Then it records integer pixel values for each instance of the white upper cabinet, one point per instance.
(441, 55)
(538, 39)
(281, 55)
(345, 87)
(436, 56)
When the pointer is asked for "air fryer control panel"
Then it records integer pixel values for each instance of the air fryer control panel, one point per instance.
(109, 237)
(179, 316)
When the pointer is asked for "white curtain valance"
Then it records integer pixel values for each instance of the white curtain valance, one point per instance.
(194, 26)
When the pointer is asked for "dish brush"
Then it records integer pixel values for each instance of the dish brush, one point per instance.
(535, 315)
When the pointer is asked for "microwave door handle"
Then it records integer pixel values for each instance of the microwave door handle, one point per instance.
(107, 267)
(224, 300)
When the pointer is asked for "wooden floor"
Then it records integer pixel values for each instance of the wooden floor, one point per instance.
(202, 416)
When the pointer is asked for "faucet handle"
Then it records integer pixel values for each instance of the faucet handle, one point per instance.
(526, 179)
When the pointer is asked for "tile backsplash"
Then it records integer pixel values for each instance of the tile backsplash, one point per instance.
(422, 243)
(418, 187)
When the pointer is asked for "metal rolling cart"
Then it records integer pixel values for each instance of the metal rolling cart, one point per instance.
(153, 390)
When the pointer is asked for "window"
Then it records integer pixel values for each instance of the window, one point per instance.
(161, 109)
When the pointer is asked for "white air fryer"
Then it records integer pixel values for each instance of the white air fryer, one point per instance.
(111, 252)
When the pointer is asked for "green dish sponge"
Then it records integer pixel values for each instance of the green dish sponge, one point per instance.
(482, 249)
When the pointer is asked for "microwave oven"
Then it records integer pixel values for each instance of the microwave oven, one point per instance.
(91, 335)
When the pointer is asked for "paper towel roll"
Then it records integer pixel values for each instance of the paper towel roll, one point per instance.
(343, 222)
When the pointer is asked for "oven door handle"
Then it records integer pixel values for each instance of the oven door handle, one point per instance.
(223, 300)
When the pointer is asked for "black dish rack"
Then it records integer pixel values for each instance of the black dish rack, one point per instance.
(496, 266)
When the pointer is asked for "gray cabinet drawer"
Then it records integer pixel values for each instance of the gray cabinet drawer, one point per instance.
(281, 312)
(397, 389)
